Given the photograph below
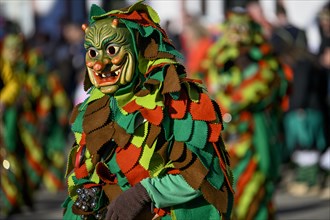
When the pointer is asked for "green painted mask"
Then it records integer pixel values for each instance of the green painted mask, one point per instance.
(237, 29)
(12, 50)
(109, 58)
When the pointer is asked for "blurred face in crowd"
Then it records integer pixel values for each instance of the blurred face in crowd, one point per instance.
(72, 33)
(255, 11)
(12, 49)
(109, 57)
(237, 31)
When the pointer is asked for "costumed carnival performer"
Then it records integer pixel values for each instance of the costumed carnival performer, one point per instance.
(250, 85)
(9, 90)
(147, 139)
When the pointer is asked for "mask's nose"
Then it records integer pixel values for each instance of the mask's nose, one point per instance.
(99, 65)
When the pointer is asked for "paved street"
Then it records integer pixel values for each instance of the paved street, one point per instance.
(301, 208)
(47, 207)
(288, 207)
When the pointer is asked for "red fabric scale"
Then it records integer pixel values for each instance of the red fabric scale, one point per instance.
(203, 110)
(128, 157)
(81, 172)
(136, 174)
(214, 132)
(128, 162)
(177, 108)
(154, 116)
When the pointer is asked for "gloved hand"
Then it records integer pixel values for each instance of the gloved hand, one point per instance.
(129, 204)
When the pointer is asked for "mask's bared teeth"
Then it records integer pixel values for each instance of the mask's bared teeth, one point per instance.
(96, 73)
(103, 75)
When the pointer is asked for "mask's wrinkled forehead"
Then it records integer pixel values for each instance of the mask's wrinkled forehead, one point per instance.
(103, 32)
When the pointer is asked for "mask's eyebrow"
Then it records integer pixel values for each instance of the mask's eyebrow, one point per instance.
(88, 44)
(107, 40)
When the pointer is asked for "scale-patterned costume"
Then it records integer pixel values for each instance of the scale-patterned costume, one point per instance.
(144, 123)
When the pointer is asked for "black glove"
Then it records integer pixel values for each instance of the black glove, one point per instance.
(129, 204)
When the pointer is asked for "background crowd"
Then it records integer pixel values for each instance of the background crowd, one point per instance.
(274, 93)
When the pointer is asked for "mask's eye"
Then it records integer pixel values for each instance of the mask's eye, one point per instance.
(92, 52)
(112, 50)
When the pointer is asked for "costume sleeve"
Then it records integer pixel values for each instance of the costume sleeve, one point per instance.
(169, 190)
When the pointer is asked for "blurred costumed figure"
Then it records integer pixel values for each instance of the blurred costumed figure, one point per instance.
(148, 141)
(249, 84)
(34, 127)
(10, 167)
(15, 191)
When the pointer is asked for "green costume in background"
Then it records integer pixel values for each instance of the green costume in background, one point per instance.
(13, 190)
(249, 84)
(33, 126)
(148, 140)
